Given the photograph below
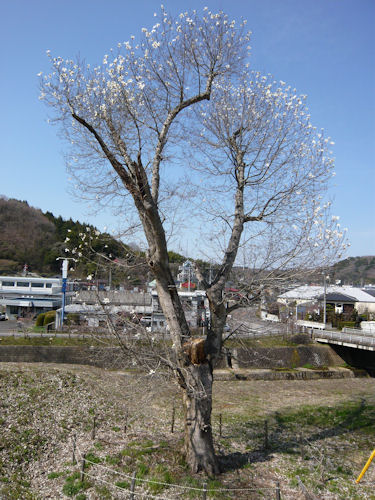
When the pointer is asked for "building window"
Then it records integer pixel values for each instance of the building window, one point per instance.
(23, 284)
(8, 283)
(13, 309)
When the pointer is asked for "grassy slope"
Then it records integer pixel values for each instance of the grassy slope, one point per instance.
(322, 431)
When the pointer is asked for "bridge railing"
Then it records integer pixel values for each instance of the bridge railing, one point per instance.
(358, 331)
(357, 339)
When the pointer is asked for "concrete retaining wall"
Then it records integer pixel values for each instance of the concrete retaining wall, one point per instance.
(278, 357)
(101, 357)
(285, 357)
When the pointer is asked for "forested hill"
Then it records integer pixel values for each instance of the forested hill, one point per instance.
(29, 236)
(355, 270)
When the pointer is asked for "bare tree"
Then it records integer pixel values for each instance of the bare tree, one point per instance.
(184, 95)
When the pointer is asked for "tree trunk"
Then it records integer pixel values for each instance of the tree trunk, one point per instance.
(197, 401)
(194, 370)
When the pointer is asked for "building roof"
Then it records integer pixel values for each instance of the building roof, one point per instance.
(337, 297)
(307, 292)
(33, 279)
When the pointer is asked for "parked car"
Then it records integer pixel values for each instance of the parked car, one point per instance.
(3, 317)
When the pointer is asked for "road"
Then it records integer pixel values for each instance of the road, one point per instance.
(243, 326)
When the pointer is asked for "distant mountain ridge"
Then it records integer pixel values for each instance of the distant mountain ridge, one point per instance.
(358, 271)
(29, 236)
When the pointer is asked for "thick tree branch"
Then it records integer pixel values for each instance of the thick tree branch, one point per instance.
(162, 139)
(118, 167)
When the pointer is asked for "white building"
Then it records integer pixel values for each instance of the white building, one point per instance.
(23, 295)
(93, 307)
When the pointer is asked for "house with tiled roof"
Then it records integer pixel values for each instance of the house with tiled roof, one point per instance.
(343, 298)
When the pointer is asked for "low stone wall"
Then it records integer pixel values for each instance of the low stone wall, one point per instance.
(285, 357)
(276, 357)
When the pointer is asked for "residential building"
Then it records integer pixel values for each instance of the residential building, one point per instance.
(23, 295)
(342, 298)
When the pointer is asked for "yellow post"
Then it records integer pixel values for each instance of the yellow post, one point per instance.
(366, 467)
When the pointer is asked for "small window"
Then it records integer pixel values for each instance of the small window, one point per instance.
(8, 283)
(37, 285)
(23, 283)
(48, 285)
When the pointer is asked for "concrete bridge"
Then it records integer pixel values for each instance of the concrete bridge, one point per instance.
(356, 347)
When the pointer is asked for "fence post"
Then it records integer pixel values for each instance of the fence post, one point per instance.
(126, 421)
(83, 467)
(278, 495)
(132, 486)
(173, 417)
(220, 424)
(74, 460)
(204, 494)
(93, 432)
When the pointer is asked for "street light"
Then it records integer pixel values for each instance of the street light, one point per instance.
(64, 270)
(325, 298)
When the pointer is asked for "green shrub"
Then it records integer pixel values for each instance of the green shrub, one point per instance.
(72, 319)
(40, 319)
(49, 317)
(54, 475)
(73, 485)
(123, 484)
(347, 324)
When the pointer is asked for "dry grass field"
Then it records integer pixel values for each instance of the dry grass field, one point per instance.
(320, 432)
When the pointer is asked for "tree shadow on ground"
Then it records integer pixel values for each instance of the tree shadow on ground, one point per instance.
(238, 460)
(280, 439)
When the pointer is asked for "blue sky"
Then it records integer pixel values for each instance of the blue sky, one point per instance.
(324, 48)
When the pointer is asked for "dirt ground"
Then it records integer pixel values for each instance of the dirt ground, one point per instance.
(318, 432)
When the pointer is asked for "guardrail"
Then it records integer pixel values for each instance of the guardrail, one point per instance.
(358, 331)
(357, 339)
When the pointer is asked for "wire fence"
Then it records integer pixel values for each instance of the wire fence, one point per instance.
(131, 492)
